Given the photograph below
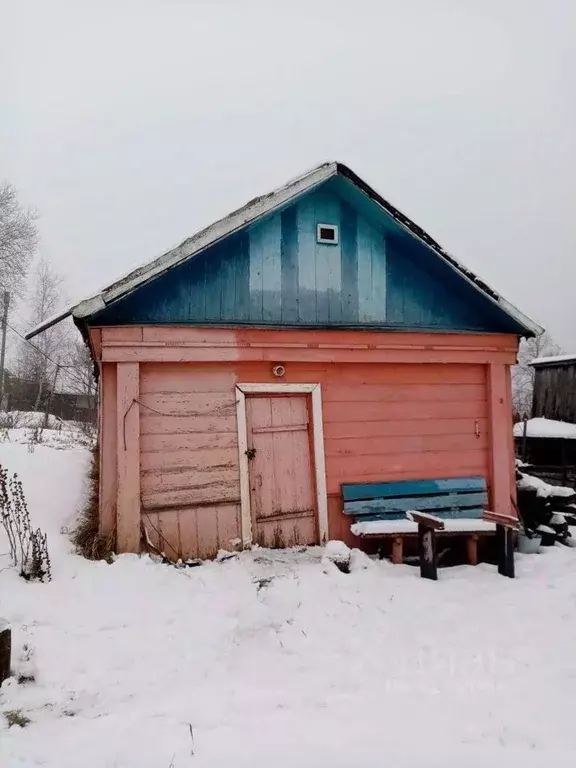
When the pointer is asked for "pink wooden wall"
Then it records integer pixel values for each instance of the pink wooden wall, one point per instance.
(394, 406)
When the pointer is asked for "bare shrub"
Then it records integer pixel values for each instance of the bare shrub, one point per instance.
(16, 717)
(10, 419)
(86, 536)
(28, 546)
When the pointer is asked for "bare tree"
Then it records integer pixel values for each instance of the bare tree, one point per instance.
(79, 373)
(18, 240)
(36, 363)
(523, 373)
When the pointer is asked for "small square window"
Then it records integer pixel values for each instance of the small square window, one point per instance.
(327, 233)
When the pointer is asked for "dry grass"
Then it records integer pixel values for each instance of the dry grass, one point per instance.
(86, 536)
(16, 717)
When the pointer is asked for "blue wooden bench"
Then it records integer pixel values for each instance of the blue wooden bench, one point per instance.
(446, 507)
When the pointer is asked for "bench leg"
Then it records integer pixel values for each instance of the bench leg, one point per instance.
(427, 550)
(472, 549)
(505, 551)
(397, 550)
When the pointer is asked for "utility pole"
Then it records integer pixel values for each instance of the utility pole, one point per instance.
(49, 399)
(3, 349)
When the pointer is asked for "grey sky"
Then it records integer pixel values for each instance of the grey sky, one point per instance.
(130, 125)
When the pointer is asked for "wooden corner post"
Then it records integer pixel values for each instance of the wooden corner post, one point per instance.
(501, 462)
(128, 457)
(500, 420)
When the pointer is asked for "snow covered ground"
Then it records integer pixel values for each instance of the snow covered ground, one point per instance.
(279, 659)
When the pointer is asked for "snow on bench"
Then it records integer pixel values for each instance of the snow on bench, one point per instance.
(379, 527)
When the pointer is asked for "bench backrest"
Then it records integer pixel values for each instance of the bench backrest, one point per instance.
(461, 497)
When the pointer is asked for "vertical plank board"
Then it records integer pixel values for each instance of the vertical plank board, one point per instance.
(262, 467)
(229, 529)
(321, 263)
(378, 277)
(327, 259)
(283, 450)
(228, 282)
(213, 281)
(256, 272)
(349, 268)
(242, 283)
(306, 266)
(365, 281)
(395, 276)
(188, 533)
(511, 448)
(152, 525)
(207, 532)
(128, 457)
(329, 213)
(108, 474)
(289, 259)
(245, 502)
(197, 289)
(500, 420)
(170, 534)
(303, 489)
(271, 269)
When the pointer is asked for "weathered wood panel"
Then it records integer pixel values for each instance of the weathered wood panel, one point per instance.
(500, 419)
(205, 476)
(128, 457)
(384, 428)
(108, 439)
(192, 532)
(555, 392)
(283, 501)
(189, 456)
(187, 441)
(398, 411)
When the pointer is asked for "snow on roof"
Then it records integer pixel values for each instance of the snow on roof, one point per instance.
(546, 428)
(255, 209)
(554, 359)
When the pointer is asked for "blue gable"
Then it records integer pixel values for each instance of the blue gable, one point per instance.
(274, 272)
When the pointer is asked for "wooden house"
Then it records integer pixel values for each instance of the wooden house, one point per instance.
(555, 388)
(314, 337)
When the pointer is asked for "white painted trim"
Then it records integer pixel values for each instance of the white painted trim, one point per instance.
(320, 464)
(324, 240)
(317, 439)
(289, 389)
(246, 518)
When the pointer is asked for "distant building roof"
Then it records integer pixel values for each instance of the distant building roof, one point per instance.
(554, 360)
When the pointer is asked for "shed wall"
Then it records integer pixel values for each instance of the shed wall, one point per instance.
(382, 420)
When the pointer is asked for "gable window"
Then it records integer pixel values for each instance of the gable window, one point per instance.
(327, 233)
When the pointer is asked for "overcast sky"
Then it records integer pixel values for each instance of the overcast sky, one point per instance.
(130, 125)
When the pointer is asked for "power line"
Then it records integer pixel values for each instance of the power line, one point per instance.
(33, 345)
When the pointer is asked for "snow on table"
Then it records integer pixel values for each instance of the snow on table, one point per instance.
(546, 428)
(461, 525)
(273, 659)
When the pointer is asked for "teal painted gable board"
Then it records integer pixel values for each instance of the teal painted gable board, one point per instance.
(275, 273)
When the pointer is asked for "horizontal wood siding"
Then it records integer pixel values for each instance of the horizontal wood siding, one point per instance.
(381, 421)
(190, 486)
